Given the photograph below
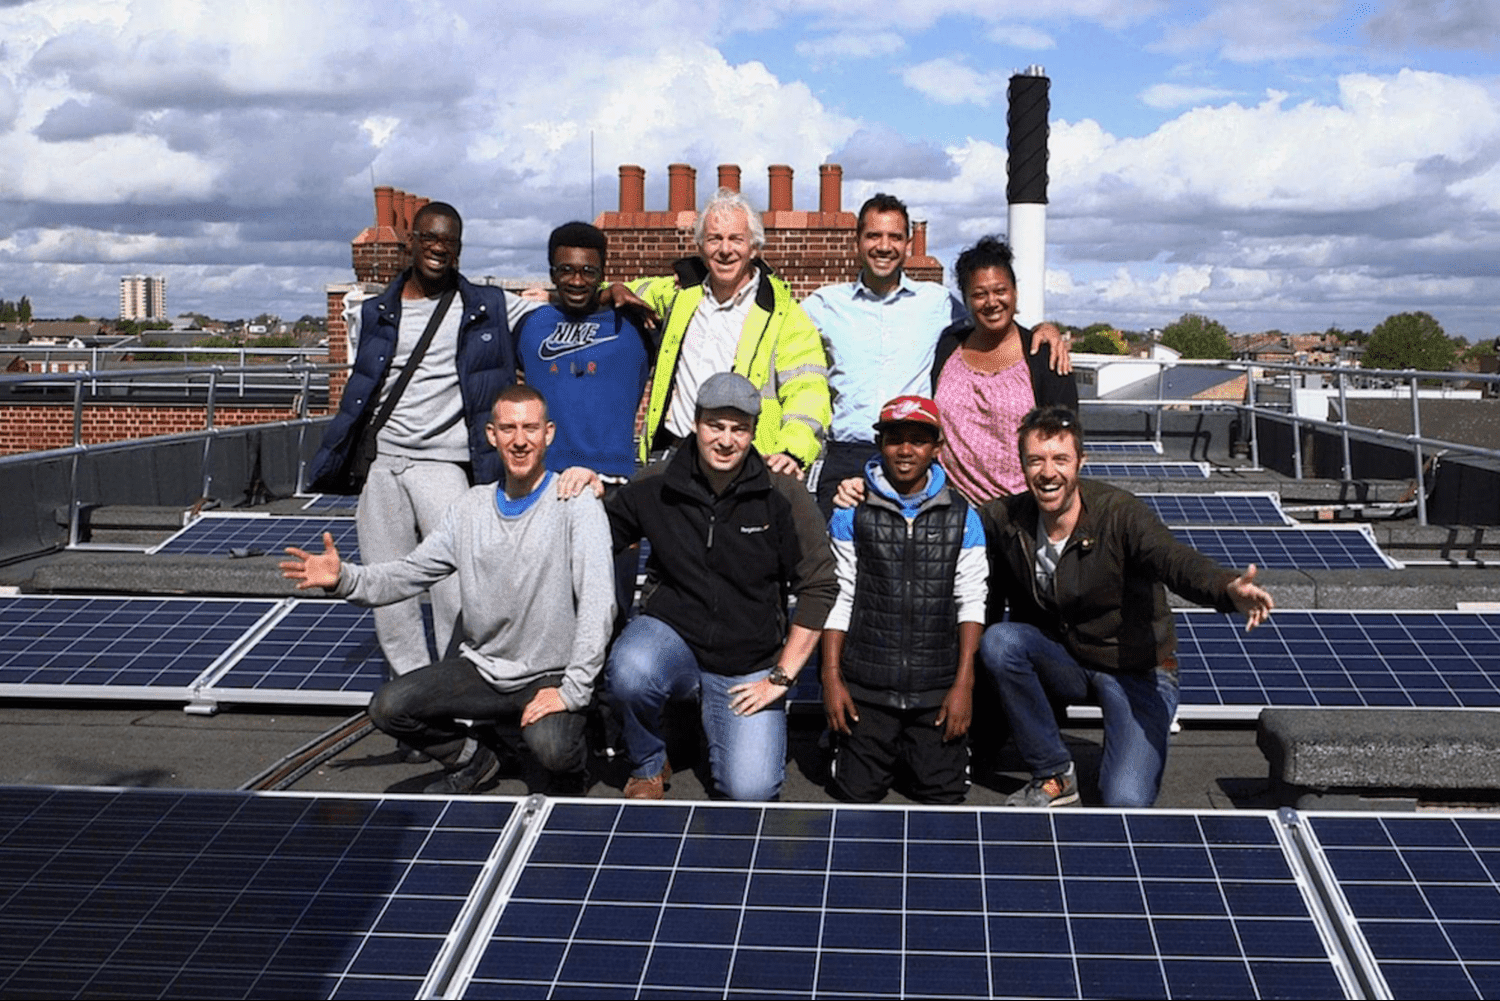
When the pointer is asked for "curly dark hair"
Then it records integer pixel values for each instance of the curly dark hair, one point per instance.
(989, 252)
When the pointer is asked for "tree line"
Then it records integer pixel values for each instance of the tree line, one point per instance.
(1400, 341)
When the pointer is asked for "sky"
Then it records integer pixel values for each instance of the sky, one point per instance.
(1273, 164)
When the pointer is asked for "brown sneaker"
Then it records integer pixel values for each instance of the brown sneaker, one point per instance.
(1050, 791)
(654, 787)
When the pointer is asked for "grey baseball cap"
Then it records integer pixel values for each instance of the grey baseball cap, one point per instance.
(727, 389)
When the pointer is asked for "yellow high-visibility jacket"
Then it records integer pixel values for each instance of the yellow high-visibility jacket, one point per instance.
(780, 352)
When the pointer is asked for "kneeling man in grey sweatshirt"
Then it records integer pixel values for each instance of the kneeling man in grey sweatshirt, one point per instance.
(537, 587)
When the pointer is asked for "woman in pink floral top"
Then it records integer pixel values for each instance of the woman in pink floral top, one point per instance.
(984, 381)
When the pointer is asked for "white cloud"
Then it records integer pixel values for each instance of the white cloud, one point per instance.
(947, 80)
(1176, 95)
(380, 128)
(1250, 31)
(1294, 216)
(236, 144)
(228, 136)
(850, 45)
(1021, 36)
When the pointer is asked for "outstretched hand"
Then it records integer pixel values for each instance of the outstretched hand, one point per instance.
(311, 570)
(1250, 598)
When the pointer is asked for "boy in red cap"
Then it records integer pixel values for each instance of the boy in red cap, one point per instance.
(899, 646)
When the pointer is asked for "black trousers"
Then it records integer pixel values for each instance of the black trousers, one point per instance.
(887, 742)
(422, 709)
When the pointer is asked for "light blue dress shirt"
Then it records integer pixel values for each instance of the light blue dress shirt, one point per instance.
(879, 347)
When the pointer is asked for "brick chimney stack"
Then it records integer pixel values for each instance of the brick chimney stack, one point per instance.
(918, 264)
(781, 187)
(808, 249)
(379, 253)
(682, 188)
(830, 187)
(632, 189)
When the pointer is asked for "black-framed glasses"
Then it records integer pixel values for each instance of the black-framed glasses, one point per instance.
(427, 239)
(588, 271)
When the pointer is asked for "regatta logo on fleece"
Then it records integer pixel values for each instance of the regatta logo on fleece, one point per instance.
(754, 529)
(569, 336)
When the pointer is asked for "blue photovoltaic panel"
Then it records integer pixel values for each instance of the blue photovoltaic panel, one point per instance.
(1217, 509)
(709, 900)
(331, 502)
(148, 893)
(118, 642)
(319, 648)
(1424, 895)
(213, 535)
(1122, 448)
(1334, 658)
(1288, 548)
(1112, 470)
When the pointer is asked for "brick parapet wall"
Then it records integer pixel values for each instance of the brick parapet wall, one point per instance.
(807, 249)
(35, 427)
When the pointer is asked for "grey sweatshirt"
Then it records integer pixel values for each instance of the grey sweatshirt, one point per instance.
(537, 589)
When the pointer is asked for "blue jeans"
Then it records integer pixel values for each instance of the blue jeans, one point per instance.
(1138, 708)
(650, 664)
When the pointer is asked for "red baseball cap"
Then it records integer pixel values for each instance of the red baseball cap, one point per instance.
(909, 410)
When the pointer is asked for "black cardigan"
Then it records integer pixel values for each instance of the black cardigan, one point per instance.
(1046, 385)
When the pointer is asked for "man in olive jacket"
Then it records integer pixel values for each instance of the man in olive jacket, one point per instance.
(1082, 565)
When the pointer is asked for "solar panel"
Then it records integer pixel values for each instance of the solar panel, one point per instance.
(1327, 658)
(331, 502)
(1122, 447)
(1218, 509)
(1115, 470)
(317, 653)
(717, 900)
(262, 534)
(154, 893)
(1312, 548)
(1423, 897)
(118, 647)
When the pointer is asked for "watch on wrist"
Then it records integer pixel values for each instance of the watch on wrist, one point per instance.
(779, 677)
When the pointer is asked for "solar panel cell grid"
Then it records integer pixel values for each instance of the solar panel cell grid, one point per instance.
(1425, 899)
(1113, 470)
(156, 894)
(1122, 448)
(216, 536)
(331, 502)
(319, 646)
(750, 901)
(118, 642)
(1331, 658)
(1287, 548)
(1217, 509)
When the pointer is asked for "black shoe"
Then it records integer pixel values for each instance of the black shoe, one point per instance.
(468, 778)
(570, 784)
(408, 755)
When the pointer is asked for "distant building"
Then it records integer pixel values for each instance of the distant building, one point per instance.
(143, 297)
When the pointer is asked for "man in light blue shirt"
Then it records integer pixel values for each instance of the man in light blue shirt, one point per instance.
(880, 333)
